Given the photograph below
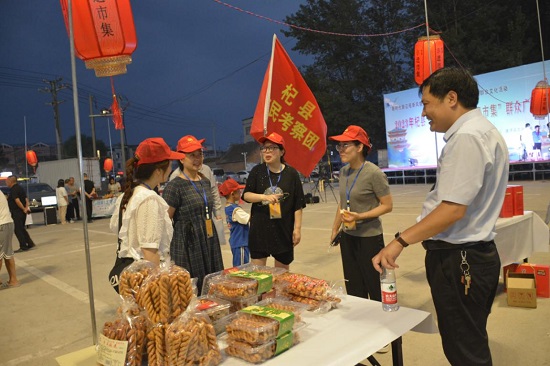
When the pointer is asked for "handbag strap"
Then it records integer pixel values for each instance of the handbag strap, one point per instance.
(119, 227)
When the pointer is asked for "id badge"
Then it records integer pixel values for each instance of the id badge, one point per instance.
(209, 228)
(275, 210)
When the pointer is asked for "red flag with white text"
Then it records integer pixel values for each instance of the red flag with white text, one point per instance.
(287, 106)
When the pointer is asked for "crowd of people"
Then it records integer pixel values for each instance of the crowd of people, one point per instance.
(456, 224)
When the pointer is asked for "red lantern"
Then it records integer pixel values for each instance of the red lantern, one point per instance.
(108, 165)
(32, 160)
(423, 58)
(540, 100)
(104, 34)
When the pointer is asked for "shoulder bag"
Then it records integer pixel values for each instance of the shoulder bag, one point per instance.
(120, 263)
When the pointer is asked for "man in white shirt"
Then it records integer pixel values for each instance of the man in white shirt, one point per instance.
(457, 223)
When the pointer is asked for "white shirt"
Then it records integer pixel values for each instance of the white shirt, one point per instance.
(62, 196)
(473, 171)
(5, 214)
(145, 224)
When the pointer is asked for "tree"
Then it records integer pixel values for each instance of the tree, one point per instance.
(69, 147)
(349, 75)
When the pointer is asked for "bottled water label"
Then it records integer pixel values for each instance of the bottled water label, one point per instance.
(389, 293)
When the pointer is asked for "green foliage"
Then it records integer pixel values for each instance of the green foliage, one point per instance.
(349, 75)
(70, 150)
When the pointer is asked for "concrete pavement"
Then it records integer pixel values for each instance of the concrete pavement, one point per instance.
(49, 315)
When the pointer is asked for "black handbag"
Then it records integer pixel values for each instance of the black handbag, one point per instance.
(120, 263)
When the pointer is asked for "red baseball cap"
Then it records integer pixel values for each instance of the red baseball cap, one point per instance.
(189, 144)
(273, 137)
(229, 186)
(353, 133)
(154, 150)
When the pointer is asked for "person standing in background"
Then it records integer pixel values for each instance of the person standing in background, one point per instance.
(89, 192)
(364, 197)
(113, 187)
(62, 201)
(195, 244)
(19, 208)
(6, 250)
(277, 196)
(457, 223)
(218, 220)
(74, 193)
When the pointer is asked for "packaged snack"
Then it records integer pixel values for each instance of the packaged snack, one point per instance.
(260, 353)
(156, 345)
(233, 288)
(132, 277)
(303, 285)
(259, 324)
(278, 303)
(191, 340)
(131, 326)
(214, 307)
(273, 271)
(166, 293)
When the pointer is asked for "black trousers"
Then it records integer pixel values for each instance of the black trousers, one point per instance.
(20, 230)
(462, 319)
(76, 208)
(70, 211)
(362, 280)
(89, 208)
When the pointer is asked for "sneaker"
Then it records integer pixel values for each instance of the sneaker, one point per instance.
(384, 349)
(71, 221)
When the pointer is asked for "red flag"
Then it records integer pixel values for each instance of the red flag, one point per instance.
(287, 106)
(115, 110)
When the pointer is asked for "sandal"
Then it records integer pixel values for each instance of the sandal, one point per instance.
(5, 286)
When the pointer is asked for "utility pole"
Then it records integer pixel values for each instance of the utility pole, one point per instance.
(91, 98)
(214, 139)
(244, 154)
(53, 87)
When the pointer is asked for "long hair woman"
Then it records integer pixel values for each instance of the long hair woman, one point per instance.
(146, 229)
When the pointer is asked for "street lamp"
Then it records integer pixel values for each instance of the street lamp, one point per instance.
(244, 154)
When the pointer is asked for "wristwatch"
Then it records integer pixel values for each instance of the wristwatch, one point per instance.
(400, 240)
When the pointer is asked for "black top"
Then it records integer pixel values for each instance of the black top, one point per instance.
(16, 192)
(88, 186)
(274, 236)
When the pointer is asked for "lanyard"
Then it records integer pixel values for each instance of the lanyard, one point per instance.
(348, 192)
(273, 187)
(203, 193)
(146, 185)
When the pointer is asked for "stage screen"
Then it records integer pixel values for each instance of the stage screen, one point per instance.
(504, 98)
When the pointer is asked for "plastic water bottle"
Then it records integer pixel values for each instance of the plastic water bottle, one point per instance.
(389, 290)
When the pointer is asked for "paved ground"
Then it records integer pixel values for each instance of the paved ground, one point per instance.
(49, 314)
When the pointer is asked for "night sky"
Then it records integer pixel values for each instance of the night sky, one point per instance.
(197, 69)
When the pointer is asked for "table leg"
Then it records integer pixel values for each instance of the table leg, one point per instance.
(397, 352)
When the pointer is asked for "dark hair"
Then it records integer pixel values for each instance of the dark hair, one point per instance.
(135, 174)
(60, 183)
(113, 178)
(366, 149)
(461, 81)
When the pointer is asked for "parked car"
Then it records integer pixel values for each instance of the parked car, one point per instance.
(36, 192)
(232, 175)
(243, 176)
(219, 173)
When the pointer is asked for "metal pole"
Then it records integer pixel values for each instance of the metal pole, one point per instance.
(430, 58)
(93, 126)
(122, 147)
(81, 168)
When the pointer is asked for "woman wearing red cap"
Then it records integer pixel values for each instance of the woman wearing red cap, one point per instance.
(277, 198)
(364, 196)
(195, 245)
(145, 230)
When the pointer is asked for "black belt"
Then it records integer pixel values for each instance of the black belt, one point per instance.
(443, 245)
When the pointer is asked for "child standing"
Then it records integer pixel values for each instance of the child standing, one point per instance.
(237, 219)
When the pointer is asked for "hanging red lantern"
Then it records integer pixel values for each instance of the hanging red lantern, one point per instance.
(423, 58)
(104, 34)
(108, 165)
(540, 100)
(32, 160)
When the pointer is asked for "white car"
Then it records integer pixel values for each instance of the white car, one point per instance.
(243, 176)
(232, 175)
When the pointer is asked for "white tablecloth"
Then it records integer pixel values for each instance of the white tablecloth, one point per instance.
(519, 236)
(349, 334)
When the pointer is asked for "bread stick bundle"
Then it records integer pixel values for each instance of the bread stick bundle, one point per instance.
(130, 325)
(166, 293)
(132, 277)
(191, 340)
(156, 345)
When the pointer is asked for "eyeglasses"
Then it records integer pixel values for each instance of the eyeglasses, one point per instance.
(268, 148)
(342, 147)
(195, 155)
